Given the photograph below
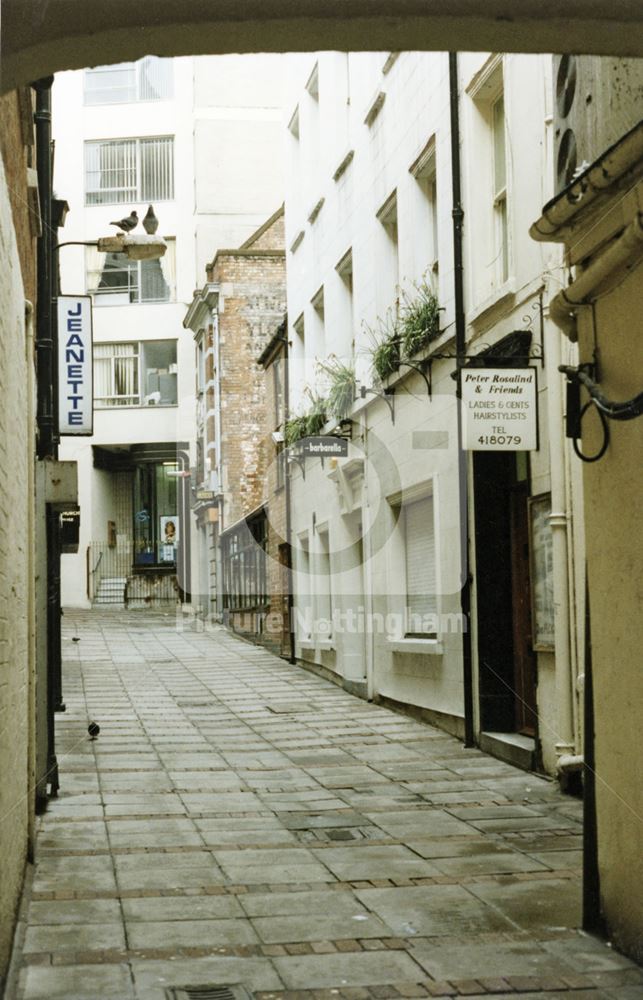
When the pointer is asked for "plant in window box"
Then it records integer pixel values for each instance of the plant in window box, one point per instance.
(341, 386)
(420, 320)
(385, 350)
(295, 430)
(316, 416)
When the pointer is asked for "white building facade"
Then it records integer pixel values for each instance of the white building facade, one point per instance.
(183, 136)
(379, 548)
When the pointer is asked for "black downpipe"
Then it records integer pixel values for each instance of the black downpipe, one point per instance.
(45, 330)
(291, 596)
(461, 350)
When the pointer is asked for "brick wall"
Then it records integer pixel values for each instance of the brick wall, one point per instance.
(17, 281)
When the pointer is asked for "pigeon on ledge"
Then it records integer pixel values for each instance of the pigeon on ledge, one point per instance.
(150, 221)
(127, 224)
(93, 729)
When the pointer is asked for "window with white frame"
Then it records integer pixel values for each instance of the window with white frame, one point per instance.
(425, 173)
(113, 279)
(149, 79)
(344, 269)
(135, 374)
(387, 217)
(323, 595)
(498, 128)
(419, 547)
(121, 171)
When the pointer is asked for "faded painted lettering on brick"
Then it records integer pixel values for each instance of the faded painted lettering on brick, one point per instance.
(75, 382)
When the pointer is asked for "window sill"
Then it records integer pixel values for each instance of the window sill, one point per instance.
(500, 297)
(136, 406)
(429, 647)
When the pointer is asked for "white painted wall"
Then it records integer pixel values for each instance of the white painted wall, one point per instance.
(225, 115)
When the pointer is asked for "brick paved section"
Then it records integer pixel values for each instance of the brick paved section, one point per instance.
(239, 820)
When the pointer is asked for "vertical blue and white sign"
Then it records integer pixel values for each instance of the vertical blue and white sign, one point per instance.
(75, 359)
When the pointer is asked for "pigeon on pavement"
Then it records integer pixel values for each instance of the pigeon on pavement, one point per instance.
(127, 224)
(150, 222)
(93, 729)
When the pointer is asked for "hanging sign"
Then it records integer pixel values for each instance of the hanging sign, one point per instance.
(500, 409)
(75, 376)
(325, 447)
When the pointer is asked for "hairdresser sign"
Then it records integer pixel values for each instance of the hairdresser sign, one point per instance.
(500, 407)
(75, 381)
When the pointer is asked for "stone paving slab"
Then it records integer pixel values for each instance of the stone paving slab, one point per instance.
(242, 820)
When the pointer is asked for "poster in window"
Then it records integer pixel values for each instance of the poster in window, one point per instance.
(169, 537)
(542, 573)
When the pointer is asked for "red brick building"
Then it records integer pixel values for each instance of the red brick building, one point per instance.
(234, 317)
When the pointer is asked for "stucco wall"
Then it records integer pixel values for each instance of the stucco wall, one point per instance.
(614, 559)
(15, 555)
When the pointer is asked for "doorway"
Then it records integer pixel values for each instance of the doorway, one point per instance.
(507, 662)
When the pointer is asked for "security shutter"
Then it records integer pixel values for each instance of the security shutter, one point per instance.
(420, 564)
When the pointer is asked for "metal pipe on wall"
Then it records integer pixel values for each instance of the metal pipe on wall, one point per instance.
(461, 348)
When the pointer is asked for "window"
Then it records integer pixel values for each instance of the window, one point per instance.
(135, 374)
(424, 171)
(119, 171)
(293, 124)
(313, 83)
(114, 280)
(419, 542)
(149, 79)
(387, 216)
(323, 597)
(157, 527)
(500, 188)
(344, 269)
(319, 339)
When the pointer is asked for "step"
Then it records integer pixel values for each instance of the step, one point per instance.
(514, 748)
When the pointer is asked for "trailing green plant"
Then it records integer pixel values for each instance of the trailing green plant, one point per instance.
(295, 430)
(419, 320)
(316, 416)
(341, 386)
(308, 424)
(385, 352)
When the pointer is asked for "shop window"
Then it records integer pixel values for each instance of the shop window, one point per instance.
(157, 527)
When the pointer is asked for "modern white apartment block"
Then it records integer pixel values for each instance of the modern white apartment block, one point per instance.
(379, 547)
(184, 135)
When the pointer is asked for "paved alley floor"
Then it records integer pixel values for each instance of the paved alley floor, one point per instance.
(242, 821)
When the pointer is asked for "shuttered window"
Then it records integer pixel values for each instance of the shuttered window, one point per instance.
(121, 171)
(419, 538)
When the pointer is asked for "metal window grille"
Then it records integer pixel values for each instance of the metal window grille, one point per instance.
(149, 79)
(244, 565)
(119, 171)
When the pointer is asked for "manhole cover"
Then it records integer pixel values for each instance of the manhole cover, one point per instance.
(208, 992)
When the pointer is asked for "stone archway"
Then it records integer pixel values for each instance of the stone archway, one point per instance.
(40, 37)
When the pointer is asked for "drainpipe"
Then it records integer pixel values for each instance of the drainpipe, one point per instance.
(559, 521)
(31, 571)
(290, 578)
(369, 632)
(45, 347)
(217, 554)
(461, 349)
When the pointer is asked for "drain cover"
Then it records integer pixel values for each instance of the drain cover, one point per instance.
(211, 991)
(290, 708)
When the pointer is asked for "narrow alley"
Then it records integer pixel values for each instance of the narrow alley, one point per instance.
(239, 821)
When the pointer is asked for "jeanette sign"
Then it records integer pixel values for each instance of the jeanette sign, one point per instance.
(500, 409)
(75, 376)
